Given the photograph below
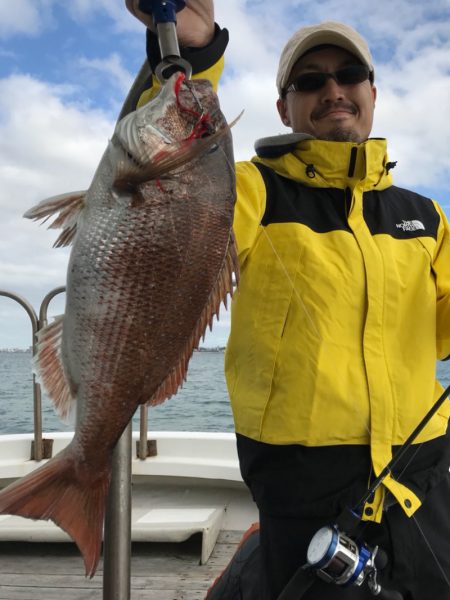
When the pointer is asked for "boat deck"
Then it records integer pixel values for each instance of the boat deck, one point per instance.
(159, 571)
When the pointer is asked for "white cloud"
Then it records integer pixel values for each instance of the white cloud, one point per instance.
(256, 97)
(55, 140)
(48, 145)
(20, 16)
(124, 22)
(32, 17)
(414, 101)
(112, 68)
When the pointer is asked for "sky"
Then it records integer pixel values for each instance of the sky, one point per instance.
(65, 69)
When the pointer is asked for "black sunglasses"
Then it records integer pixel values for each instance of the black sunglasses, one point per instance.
(311, 82)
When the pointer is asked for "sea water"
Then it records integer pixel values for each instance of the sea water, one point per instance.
(201, 405)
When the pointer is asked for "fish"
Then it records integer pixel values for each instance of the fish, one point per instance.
(153, 258)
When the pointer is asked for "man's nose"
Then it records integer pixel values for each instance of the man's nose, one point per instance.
(332, 91)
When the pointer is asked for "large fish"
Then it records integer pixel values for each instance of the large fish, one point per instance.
(152, 259)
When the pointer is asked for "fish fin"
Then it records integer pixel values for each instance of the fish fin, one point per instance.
(219, 294)
(130, 174)
(54, 492)
(49, 370)
(69, 206)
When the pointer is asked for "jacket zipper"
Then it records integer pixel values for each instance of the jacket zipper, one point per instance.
(352, 165)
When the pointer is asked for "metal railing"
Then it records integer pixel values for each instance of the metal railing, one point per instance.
(144, 447)
(37, 322)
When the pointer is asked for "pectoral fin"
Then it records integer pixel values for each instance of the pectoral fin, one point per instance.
(69, 206)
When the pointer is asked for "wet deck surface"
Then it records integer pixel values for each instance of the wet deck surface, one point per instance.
(158, 571)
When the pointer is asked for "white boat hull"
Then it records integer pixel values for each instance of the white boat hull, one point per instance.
(193, 485)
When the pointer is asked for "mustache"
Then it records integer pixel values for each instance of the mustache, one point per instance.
(321, 111)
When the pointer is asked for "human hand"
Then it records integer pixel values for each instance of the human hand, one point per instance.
(195, 22)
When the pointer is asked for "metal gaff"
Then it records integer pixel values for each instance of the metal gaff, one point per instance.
(163, 13)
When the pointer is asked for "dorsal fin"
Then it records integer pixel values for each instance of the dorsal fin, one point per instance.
(69, 206)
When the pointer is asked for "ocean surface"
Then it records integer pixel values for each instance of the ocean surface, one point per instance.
(201, 404)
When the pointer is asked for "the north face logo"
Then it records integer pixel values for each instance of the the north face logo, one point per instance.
(410, 225)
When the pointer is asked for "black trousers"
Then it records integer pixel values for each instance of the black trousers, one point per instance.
(418, 549)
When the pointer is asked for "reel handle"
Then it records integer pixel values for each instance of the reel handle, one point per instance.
(385, 594)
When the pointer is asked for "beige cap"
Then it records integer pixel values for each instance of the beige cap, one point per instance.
(328, 32)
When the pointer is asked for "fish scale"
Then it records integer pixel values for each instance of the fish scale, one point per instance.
(152, 259)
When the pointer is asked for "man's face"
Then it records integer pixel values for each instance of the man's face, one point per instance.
(333, 112)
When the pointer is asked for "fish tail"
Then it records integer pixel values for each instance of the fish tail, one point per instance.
(54, 492)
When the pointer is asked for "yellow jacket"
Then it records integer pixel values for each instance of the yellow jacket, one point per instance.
(343, 304)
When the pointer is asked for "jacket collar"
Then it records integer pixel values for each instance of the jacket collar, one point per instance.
(321, 163)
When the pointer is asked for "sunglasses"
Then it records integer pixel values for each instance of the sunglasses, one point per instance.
(311, 82)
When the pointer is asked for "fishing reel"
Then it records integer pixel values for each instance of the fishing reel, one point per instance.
(337, 558)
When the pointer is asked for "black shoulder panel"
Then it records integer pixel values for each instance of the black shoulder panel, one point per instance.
(400, 213)
(288, 201)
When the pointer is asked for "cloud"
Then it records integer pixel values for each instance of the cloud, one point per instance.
(47, 136)
(33, 17)
(123, 21)
(21, 17)
(49, 144)
(414, 99)
(110, 68)
(257, 98)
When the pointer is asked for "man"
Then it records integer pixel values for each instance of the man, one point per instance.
(342, 310)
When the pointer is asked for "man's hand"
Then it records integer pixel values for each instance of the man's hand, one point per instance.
(195, 22)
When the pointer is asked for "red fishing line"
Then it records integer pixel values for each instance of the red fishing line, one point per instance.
(202, 125)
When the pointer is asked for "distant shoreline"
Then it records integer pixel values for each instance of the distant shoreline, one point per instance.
(28, 350)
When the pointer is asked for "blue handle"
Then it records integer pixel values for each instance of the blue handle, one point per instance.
(162, 11)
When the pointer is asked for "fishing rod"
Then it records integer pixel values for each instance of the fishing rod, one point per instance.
(164, 17)
(335, 557)
(402, 450)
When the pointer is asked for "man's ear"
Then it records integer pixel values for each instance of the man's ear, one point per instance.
(282, 111)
